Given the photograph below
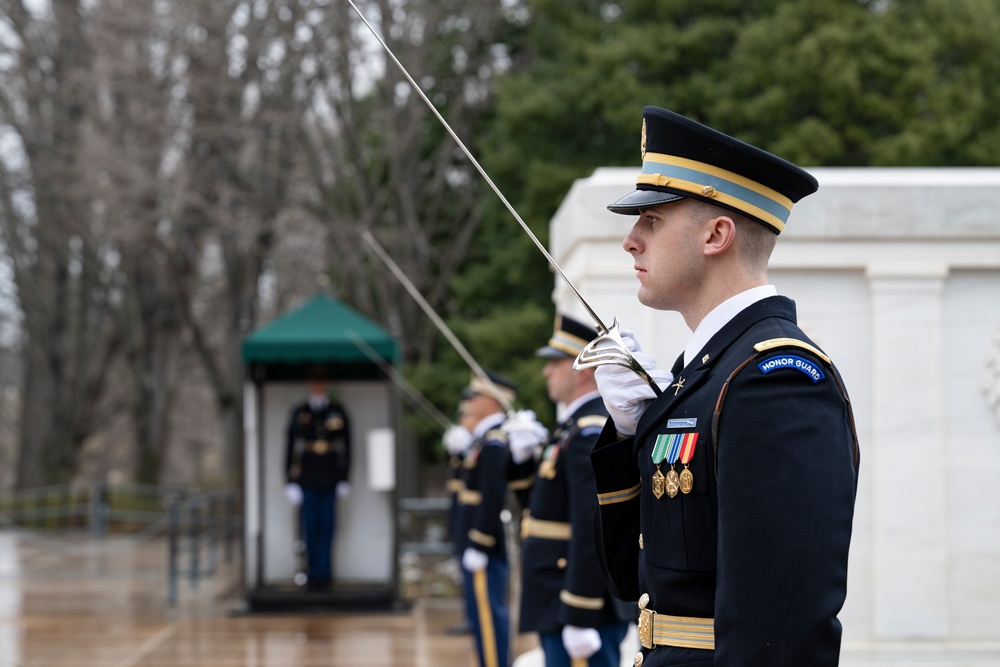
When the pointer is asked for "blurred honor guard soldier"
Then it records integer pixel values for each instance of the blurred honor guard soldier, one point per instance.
(564, 598)
(317, 464)
(480, 533)
(726, 503)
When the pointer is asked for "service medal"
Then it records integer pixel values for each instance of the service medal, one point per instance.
(547, 468)
(667, 447)
(689, 441)
(658, 480)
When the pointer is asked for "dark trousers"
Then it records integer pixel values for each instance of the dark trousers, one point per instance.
(609, 654)
(486, 607)
(319, 520)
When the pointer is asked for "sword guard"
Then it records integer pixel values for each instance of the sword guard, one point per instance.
(616, 354)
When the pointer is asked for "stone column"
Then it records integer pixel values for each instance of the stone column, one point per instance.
(910, 529)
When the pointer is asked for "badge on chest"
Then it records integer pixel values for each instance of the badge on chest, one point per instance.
(670, 448)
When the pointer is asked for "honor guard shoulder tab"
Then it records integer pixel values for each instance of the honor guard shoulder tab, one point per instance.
(591, 424)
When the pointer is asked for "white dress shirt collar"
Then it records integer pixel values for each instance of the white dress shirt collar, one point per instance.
(575, 405)
(720, 316)
(488, 422)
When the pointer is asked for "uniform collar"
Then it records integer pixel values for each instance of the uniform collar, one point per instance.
(721, 315)
(318, 403)
(488, 422)
(575, 405)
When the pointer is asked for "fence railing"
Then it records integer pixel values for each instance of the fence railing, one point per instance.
(201, 527)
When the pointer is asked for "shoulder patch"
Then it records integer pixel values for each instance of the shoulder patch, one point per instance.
(591, 420)
(773, 343)
(801, 364)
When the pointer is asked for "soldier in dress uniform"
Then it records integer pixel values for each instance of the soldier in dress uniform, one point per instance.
(457, 439)
(480, 532)
(726, 502)
(564, 598)
(317, 465)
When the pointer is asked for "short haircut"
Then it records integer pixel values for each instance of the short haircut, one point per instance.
(754, 240)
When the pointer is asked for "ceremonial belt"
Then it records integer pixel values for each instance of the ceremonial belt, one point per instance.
(319, 447)
(467, 497)
(680, 631)
(549, 530)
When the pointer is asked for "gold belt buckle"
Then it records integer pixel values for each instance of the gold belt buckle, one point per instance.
(645, 622)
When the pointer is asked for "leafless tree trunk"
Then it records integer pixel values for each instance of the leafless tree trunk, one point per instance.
(65, 286)
(380, 161)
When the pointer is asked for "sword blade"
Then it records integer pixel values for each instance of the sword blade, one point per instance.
(435, 318)
(482, 172)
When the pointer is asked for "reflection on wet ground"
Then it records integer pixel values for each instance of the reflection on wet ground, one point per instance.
(103, 603)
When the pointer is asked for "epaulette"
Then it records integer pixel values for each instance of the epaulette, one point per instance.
(773, 343)
(495, 434)
(592, 420)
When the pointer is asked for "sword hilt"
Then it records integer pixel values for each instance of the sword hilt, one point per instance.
(617, 354)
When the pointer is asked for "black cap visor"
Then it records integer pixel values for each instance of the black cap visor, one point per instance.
(634, 202)
(549, 352)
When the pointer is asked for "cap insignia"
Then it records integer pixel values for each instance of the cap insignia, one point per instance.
(643, 144)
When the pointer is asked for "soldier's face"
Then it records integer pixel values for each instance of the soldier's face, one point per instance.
(559, 379)
(318, 387)
(664, 244)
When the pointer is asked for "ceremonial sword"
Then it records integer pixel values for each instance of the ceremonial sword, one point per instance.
(436, 319)
(617, 353)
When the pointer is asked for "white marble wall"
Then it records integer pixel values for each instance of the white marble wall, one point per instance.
(896, 273)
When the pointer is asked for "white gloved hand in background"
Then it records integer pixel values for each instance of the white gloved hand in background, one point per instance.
(294, 493)
(524, 435)
(625, 393)
(343, 489)
(474, 560)
(581, 642)
(457, 440)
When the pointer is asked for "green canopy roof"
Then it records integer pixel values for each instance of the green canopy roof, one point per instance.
(321, 331)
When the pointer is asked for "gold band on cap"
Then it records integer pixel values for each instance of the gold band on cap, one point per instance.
(492, 389)
(725, 187)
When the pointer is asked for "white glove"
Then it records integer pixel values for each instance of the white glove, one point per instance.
(524, 434)
(457, 439)
(343, 489)
(474, 560)
(625, 394)
(581, 642)
(294, 493)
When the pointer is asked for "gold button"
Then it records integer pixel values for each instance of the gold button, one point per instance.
(637, 661)
(561, 563)
(640, 540)
(704, 359)
(708, 191)
(643, 600)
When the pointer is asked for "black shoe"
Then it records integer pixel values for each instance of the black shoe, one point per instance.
(318, 585)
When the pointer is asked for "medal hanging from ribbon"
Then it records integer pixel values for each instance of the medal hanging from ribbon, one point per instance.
(688, 442)
(547, 468)
(667, 448)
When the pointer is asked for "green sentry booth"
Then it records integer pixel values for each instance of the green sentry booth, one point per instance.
(323, 333)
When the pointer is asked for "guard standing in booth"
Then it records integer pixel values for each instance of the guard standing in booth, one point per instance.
(317, 466)
(564, 597)
(727, 497)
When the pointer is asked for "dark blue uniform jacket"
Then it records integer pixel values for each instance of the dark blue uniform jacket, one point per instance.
(760, 544)
(562, 582)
